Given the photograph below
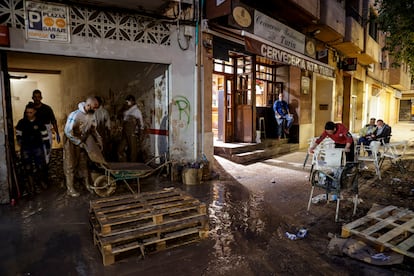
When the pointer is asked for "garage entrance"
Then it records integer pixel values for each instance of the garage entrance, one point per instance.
(66, 81)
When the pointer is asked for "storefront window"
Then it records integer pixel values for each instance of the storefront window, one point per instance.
(267, 85)
(222, 66)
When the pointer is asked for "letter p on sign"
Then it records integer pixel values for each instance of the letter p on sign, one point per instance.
(34, 20)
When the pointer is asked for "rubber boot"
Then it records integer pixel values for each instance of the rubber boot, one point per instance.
(44, 178)
(88, 185)
(30, 186)
(69, 185)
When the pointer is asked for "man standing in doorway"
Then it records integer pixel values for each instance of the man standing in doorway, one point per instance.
(80, 125)
(132, 126)
(103, 125)
(283, 117)
(45, 114)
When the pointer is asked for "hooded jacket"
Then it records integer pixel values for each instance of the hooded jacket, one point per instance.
(80, 125)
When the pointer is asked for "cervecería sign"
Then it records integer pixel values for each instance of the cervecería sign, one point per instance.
(279, 55)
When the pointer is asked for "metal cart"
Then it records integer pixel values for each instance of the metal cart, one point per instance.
(105, 185)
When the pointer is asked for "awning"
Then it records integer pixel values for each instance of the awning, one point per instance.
(262, 47)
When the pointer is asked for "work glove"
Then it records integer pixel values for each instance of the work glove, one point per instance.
(47, 147)
(57, 137)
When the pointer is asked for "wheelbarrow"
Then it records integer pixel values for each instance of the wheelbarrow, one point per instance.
(105, 185)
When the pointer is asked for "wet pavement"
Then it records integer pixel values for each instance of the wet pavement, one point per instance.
(50, 234)
(250, 208)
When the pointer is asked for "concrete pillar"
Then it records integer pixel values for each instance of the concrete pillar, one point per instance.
(4, 141)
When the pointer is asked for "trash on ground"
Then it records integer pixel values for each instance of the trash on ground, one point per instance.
(291, 236)
(380, 256)
(361, 251)
(302, 232)
(318, 198)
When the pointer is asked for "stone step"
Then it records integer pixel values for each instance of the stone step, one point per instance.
(233, 148)
(262, 154)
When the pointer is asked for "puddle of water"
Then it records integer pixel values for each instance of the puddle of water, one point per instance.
(235, 218)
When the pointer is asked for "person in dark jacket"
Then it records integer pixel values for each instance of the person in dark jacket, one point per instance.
(45, 114)
(32, 137)
(382, 133)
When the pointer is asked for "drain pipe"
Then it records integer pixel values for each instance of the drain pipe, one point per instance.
(198, 87)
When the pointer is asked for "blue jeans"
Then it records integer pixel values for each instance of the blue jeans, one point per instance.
(283, 123)
(365, 141)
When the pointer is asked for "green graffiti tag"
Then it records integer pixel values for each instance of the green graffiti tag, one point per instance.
(183, 106)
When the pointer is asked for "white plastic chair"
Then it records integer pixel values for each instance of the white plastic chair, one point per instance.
(369, 153)
(331, 170)
(394, 151)
(318, 152)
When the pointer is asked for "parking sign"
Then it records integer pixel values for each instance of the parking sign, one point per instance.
(48, 22)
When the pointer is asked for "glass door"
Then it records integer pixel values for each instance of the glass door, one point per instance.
(243, 99)
(228, 114)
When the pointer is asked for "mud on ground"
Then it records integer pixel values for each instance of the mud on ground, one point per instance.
(247, 229)
(285, 209)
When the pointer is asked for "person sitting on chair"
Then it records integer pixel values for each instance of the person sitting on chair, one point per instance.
(283, 117)
(382, 133)
(366, 132)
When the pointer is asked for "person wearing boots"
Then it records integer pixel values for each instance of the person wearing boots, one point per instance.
(132, 126)
(32, 137)
(80, 125)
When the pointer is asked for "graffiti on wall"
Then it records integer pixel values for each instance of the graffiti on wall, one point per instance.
(183, 105)
(180, 107)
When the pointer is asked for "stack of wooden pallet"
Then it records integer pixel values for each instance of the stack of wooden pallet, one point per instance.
(146, 222)
(390, 227)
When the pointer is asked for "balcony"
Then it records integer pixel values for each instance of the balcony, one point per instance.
(371, 54)
(399, 78)
(310, 6)
(353, 42)
(332, 21)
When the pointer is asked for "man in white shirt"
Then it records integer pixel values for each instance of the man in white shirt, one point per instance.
(132, 126)
(80, 124)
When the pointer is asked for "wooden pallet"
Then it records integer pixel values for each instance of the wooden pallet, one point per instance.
(390, 227)
(146, 222)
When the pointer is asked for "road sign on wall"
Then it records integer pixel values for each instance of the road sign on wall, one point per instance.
(47, 22)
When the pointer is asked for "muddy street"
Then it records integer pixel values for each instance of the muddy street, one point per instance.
(250, 209)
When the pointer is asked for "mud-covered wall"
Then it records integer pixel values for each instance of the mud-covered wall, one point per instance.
(76, 81)
(4, 174)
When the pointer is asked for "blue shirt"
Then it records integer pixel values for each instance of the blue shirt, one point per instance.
(281, 107)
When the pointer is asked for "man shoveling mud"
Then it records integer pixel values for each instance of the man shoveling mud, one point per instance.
(80, 133)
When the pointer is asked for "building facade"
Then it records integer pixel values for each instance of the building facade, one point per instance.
(325, 56)
(73, 51)
(200, 73)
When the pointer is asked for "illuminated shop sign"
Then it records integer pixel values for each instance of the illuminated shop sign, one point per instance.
(47, 22)
(281, 56)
